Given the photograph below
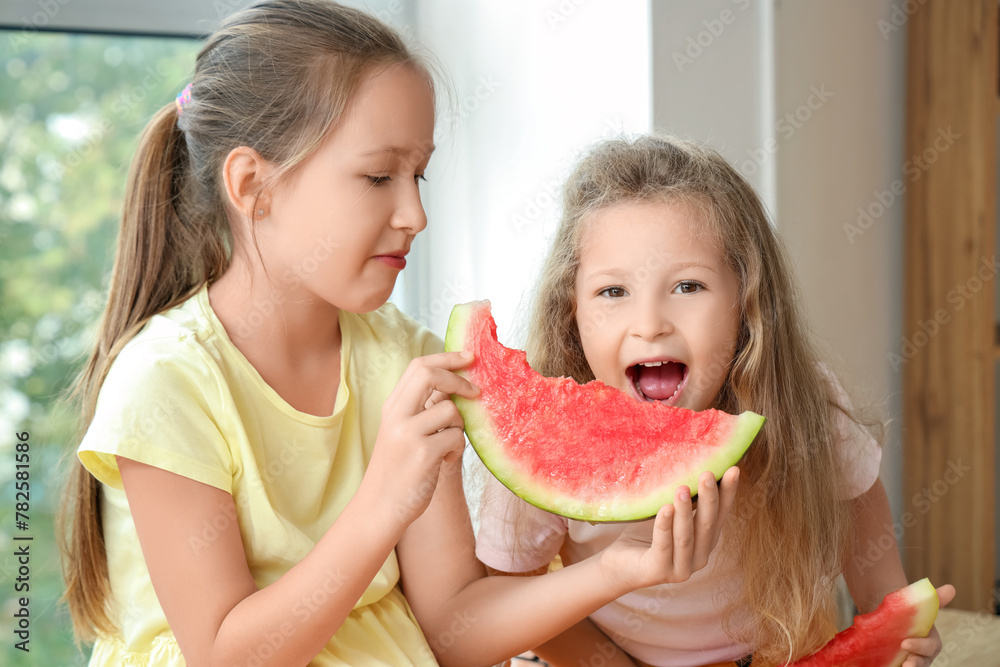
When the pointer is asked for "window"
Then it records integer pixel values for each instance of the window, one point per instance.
(71, 110)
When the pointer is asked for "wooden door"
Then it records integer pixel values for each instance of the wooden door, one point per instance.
(950, 348)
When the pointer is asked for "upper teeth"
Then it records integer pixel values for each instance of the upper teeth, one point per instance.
(652, 363)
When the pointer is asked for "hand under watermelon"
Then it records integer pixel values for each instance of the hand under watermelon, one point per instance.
(587, 452)
(875, 638)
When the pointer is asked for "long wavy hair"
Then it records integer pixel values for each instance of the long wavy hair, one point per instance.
(275, 77)
(790, 531)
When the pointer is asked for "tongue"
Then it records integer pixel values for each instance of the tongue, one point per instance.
(660, 382)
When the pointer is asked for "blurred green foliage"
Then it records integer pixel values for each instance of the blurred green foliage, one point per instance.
(71, 109)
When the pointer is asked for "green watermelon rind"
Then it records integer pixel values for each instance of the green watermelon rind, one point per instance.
(479, 429)
(921, 594)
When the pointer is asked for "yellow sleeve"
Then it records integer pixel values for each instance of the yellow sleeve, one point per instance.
(164, 404)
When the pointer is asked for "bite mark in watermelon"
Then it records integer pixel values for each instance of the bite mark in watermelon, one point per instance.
(874, 638)
(587, 452)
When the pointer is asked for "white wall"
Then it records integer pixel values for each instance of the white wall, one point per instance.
(849, 150)
(713, 80)
(534, 83)
(806, 98)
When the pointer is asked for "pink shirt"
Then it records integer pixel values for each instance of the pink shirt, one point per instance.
(670, 625)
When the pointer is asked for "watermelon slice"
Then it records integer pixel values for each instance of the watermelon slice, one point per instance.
(586, 452)
(874, 638)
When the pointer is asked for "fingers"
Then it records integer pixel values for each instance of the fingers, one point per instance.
(922, 649)
(727, 492)
(926, 647)
(449, 443)
(442, 425)
(450, 361)
(946, 594)
(437, 417)
(663, 533)
(427, 375)
(683, 534)
(436, 397)
(714, 504)
(683, 539)
(706, 533)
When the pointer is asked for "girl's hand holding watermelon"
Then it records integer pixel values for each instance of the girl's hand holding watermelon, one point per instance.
(682, 538)
(873, 580)
(923, 650)
(420, 429)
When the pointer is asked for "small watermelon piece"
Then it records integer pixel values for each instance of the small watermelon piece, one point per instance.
(874, 638)
(587, 452)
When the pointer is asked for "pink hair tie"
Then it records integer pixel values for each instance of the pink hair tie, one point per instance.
(182, 99)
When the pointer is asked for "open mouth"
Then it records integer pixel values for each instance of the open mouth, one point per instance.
(657, 380)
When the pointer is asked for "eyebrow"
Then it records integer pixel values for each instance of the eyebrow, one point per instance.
(611, 273)
(394, 150)
(693, 265)
(620, 273)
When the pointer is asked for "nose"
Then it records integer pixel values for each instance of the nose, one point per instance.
(651, 321)
(409, 214)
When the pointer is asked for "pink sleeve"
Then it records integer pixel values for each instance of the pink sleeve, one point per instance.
(515, 536)
(857, 452)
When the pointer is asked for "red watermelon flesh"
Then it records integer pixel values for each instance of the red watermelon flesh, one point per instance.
(874, 638)
(588, 452)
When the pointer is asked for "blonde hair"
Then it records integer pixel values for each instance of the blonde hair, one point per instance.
(789, 531)
(275, 77)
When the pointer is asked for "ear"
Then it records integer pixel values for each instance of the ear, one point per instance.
(244, 173)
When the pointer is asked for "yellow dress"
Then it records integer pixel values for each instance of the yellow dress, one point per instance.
(181, 397)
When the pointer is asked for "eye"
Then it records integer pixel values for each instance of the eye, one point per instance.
(378, 180)
(688, 287)
(419, 177)
(613, 292)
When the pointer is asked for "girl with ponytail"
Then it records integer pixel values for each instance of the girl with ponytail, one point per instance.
(270, 472)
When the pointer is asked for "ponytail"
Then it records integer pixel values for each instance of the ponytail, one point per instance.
(161, 260)
(275, 77)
